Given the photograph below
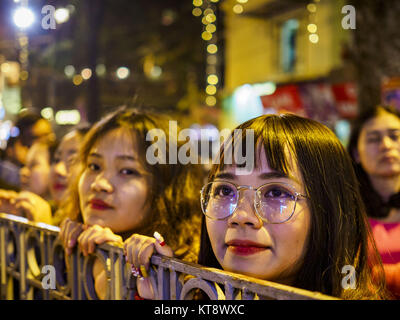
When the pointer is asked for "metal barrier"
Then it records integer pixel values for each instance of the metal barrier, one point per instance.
(29, 252)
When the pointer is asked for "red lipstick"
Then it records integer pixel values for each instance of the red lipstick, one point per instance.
(99, 204)
(59, 186)
(245, 247)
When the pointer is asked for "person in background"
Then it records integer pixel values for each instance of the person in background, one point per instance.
(31, 127)
(65, 167)
(374, 146)
(297, 218)
(120, 193)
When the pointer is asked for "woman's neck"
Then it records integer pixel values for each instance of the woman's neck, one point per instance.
(386, 186)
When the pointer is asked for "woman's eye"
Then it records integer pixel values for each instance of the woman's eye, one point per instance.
(127, 171)
(93, 166)
(223, 191)
(277, 193)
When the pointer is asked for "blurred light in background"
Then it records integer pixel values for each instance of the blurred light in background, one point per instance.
(155, 72)
(68, 117)
(197, 3)
(313, 38)
(238, 8)
(86, 73)
(264, 89)
(197, 12)
(14, 132)
(23, 17)
(61, 15)
(47, 113)
(212, 79)
(206, 36)
(246, 103)
(122, 73)
(69, 71)
(311, 7)
(101, 70)
(312, 28)
(211, 101)
(77, 79)
(212, 48)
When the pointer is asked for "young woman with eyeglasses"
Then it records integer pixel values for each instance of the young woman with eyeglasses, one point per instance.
(297, 218)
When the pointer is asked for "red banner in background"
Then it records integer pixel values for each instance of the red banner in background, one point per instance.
(284, 99)
(346, 99)
(319, 101)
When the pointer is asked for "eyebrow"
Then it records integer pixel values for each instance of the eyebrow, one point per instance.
(390, 130)
(119, 157)
(264, 175)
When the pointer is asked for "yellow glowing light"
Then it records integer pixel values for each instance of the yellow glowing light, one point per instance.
(210, 89)
(312, 7)
(313, 38)
(211, 17)
(238, 8)
(212, 79)
(211, 101)
(197, 3)
(211, 28)
(206, 36)
(68, 117)
(212, 48)
(197, 12)
(215, 1)
(86, 73)
(77, 79)
(312, 28)
(208, 11)
(242, 1)
(47, 113)
(204, 21)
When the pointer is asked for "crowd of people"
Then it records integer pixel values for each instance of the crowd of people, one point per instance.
(308, 208)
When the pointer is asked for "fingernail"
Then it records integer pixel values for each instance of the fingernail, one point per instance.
(159, 238)
(143, 271)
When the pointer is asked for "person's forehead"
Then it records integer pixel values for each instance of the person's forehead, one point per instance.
(117, 139)
(384, 121)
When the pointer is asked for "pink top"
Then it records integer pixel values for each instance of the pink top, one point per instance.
(387, 239)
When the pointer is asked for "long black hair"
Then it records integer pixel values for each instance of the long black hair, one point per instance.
(339, 233)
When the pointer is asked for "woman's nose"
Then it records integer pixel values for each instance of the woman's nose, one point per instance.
(386, 142)
(61, 169)
(245, 214)
(102, 183)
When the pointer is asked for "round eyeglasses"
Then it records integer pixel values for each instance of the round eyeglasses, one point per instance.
(275, 202)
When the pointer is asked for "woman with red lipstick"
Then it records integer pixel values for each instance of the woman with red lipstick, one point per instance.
(297, 218)
(64, 167)
(375, 149)
(119, 193)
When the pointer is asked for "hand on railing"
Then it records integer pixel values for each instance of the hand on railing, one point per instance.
(7, 201)
(92, 236)
(138, 250)
(69, 233)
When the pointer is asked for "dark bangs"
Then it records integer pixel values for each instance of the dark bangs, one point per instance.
(248, 141)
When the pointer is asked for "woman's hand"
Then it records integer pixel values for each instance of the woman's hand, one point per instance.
(69, 233)
(95, 235)
(7, 201)
(33, 207)
(138, 250)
